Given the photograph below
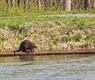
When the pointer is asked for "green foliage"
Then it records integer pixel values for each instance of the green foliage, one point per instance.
(1, 38)
(15, 22)
(75, 38)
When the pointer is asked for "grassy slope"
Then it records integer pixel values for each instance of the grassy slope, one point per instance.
(48, 32)
(15, 22)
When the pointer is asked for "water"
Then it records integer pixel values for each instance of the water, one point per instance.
(63, 67)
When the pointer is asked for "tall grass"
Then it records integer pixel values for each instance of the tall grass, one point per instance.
(38, 6)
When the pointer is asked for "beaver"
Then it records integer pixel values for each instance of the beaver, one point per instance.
(26, 46)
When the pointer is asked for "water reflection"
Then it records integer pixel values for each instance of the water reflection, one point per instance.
(44, 58)
(53, 67)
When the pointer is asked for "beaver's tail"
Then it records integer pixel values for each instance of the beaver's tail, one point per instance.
(16, 51)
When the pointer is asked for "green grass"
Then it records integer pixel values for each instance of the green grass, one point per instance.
(15, 22)
(50, 32)
(81, 11)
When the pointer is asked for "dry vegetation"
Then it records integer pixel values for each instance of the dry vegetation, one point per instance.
(48, 33)
(50, 36)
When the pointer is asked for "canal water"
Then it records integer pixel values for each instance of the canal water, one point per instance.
(53, 67)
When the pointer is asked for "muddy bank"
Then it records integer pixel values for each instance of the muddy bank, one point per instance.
(49, 36)
(45, 52)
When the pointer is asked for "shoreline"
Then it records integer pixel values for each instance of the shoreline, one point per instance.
(44, 53)
(50, 36)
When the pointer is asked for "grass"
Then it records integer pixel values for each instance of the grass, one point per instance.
(80, 11)
(15, 22)
(34, 7)
(47, 32)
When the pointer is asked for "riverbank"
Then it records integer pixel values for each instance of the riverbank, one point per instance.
(50, 33)
(45, 52)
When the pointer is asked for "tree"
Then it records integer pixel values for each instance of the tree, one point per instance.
(18, 2)
(87, 4)
(39, 4)
(93, 2)
(67, 4)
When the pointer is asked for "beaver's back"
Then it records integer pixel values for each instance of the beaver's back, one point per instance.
(27, 45)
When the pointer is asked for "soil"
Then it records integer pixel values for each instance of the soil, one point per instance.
(43, 53)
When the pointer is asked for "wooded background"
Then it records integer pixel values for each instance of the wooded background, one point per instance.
(67, 5)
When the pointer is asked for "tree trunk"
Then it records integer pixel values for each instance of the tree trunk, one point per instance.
(87, 4)
(9, 2)
(67, 5)
(26, 4)
(93, 3)
(39, 4)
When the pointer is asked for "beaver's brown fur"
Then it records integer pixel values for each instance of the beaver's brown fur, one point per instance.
(26, 45)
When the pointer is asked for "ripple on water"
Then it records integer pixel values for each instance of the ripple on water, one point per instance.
(44, 68)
